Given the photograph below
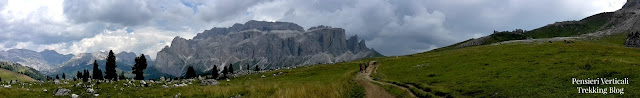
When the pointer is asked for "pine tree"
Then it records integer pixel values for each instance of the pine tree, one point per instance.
(225, 71)
(79, 75)
(138, 68)
(57, 77)
(190, 73)
(231, 68)
(110, 67)
(0, 79)
(64, 77)
(97, 73)
(256, 69)
(122, 75)
(248, 67)
(85, 75)
(214, 72)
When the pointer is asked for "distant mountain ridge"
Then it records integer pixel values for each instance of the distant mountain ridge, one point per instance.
(52, 63)
(268, 45)
(41, 61)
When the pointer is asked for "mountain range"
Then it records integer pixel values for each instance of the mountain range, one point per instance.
(267, 45)
(52, 63)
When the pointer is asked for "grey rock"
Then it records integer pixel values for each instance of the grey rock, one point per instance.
(90, 90)
(633, 40)
(74, 96)
(62, 92)
(268, 45)
(209, 82)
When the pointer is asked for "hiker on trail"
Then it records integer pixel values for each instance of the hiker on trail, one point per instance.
(361, 68)
(365, 67)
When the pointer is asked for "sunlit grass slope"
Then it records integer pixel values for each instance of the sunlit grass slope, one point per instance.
(538, 69)
(320, 81)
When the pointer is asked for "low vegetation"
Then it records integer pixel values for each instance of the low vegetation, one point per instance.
(516, 70)
(325, 81)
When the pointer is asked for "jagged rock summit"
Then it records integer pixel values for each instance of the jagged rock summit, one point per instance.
(267, 45)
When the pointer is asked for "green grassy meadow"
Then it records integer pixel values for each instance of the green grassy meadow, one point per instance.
(538, 69)
(318, 81)
(10, 75)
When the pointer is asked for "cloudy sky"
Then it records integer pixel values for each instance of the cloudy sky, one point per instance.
(392, 27)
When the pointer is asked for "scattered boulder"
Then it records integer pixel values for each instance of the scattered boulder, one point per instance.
(200, 78)
(45, 90)
(74, 96)
(180, 85)
(56, 81)
(209, 82)
(62, 92)
(6, 86)
(177, 96)
(633, 40)
(162, 79)
(263, 76)
(142, 83)
(90, 90)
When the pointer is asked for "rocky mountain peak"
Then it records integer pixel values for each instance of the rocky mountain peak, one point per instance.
(631, 4)
(255, 44)
(320, 27)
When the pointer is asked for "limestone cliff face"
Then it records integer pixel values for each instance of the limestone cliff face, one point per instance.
(268, 45)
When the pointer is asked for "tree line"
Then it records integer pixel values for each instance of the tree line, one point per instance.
(138, 69)
(215, 72)
(110, 70)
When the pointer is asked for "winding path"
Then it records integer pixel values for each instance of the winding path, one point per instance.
(373, 90)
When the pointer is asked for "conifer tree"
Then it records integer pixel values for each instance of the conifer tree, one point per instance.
(97, 73)
(122, 75)
(110, 67)
(214, 72)
(79, 75)
(85, 75)
(225, 71)
(138, 68)
(231, 68)
(190, 73)
(256, 69)
(64, 77)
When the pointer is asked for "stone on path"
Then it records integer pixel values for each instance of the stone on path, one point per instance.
(209, 82)
(62, 92)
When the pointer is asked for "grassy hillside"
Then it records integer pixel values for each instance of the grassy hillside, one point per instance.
(323, 81)
(7, 75)
(558, 29)
(573, 28)
(516, 70)
(15, 67)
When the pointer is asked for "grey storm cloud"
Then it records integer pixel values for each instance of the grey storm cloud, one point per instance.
(392, 27)
(122, 12)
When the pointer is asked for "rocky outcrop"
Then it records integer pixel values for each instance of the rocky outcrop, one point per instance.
(61, 92)
(631, 4)
(268, 45)
(633, 40)
(623, 20)
(209, 82)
